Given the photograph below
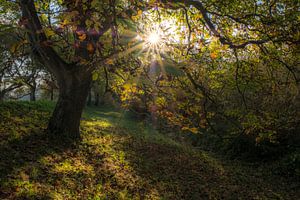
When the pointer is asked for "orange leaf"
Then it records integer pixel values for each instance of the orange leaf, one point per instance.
(90, 47)
(110, 62)
(213, 55)
(82, 37)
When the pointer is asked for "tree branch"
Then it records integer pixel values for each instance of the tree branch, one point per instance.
(39, 42)
(225, 41)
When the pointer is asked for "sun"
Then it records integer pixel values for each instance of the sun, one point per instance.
(153, 38)
(153, 41)
(156, 38)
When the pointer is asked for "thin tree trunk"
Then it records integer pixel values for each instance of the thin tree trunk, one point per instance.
(89, 102)
(97, 97)
(1, 96)
(32, 94)
(51, 94)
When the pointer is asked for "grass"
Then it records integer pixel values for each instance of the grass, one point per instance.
(118, 158)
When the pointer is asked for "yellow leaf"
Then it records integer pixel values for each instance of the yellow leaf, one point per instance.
(88, 23)
(151, 2)
(65, 22)
(83, 61)
(14, 47)
(49, 32)
(74, 28)
(193, 130)
(109, 61)
(198, 16)
(127, 86)
(134, 18)
(185, 128)
(140, 12)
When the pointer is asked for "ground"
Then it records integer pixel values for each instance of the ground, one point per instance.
(119, 157)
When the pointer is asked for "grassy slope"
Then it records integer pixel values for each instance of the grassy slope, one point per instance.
(118, 158)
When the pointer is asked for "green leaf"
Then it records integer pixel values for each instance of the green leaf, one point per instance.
(95, 76)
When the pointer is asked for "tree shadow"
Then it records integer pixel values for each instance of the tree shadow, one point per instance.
(179, 173)
(174, 172)
(19, 153)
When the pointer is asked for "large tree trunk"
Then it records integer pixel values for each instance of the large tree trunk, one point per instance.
(65, 120)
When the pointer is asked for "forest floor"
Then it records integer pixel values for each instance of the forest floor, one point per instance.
(119, 158)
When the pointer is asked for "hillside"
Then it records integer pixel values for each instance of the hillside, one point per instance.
(118, 158)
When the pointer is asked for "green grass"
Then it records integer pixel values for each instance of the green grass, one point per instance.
(118, 157)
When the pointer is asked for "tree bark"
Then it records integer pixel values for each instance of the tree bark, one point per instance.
(32, 94)
(97, 97)
(1, 96)
(89, 102)
(51, 94)
(65, 120)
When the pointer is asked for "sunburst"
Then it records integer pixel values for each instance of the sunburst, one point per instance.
(153, 38)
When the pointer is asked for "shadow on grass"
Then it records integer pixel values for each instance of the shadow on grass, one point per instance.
(173, 172)
(177, 173)
(22, 154)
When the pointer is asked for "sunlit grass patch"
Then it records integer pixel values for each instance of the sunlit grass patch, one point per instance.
(18, 119)
(95, 126)
(98, 140)
(73, 166)
(23, 186)
(97, 123)
(26, 188)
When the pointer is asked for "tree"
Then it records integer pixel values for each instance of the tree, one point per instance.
(87, 25)
(14, 70)
(9, 81)
(31, 76)
(48, 86)
(73, 78)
